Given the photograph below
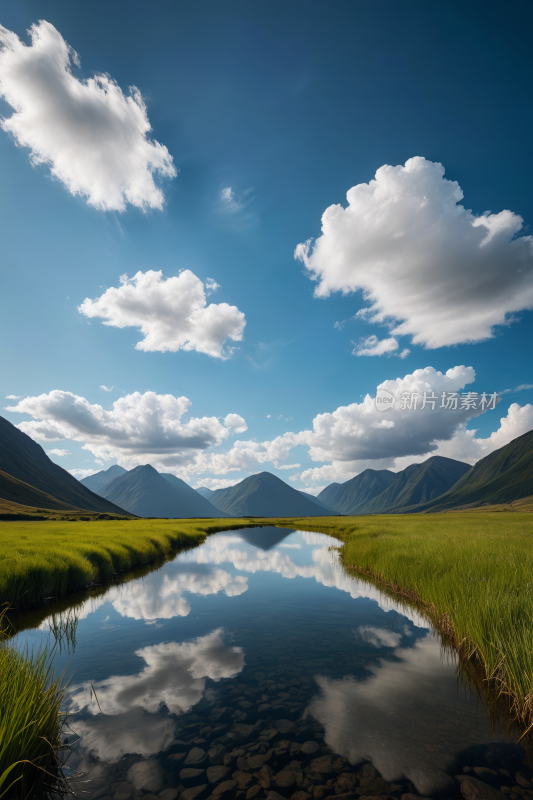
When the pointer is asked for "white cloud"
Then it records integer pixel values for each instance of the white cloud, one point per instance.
(106, 389)
(379, 637)
(372, 346)
(235, 423)
(172, 313)
(140, 428)
(422, 260)
(217, 483)
(80, 474)
(57, 452)
(521, 388)
(14, 397)
(289, 466)
(405, 352)
(93, 138)
(211, 285)
(229, 201)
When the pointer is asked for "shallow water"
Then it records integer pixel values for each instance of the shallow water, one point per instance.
(265, 624)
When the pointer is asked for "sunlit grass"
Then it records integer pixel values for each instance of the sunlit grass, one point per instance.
(473, 574)
(51, 558)
(30, 720)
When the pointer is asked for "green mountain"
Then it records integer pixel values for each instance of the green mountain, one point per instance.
(501, 477)
(16, 491)
(264, 495)
(417, 484)
(326, 510)
(205, 492)
(99, 479)
(348, 497)
(146, 493)
(25, 460)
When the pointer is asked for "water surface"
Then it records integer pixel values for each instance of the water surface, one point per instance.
(252, 627)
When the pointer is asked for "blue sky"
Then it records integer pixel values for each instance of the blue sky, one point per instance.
(269, 114)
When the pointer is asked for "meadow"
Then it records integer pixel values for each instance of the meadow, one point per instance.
(44, 559)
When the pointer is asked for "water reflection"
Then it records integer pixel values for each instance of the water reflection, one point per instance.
(264, 625)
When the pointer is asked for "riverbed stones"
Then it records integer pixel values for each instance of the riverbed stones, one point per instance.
(216, 755)
(168, 794)
(310, 747)
(474, 789)
(346, 782)
(190, 776)
(255, 762)
(124, 791)
(196, 757)
(274, 796)
(216, 774)
(253, 791)
(194, 793)
(147, 775)
(225, 788)
(522, 780)
(285, 726)
(285, 779)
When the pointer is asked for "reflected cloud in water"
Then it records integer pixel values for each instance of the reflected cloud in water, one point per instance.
(174, 676)
(392, 717)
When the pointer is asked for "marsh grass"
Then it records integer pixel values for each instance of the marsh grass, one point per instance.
(31, 721)
(470, 574)
(45, 559)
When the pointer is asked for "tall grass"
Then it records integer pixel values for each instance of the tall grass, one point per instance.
(30, 721)
(472, 575)
(51, 558)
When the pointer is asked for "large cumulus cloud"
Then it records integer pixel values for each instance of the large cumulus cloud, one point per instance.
(93, 138)
(171, 313)
(440, 273)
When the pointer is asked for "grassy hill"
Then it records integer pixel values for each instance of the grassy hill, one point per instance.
(501, 477)
(348, 497)
(417, 484)
(26, 461)
(264, 495)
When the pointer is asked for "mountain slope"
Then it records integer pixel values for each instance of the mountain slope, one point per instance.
(205, 492)
(99, 479)
(417, 484)
(264, 495)
(16, 491)
(501, 477)
(25, 460)
(325, 509)
(143, 491)
(348, 497)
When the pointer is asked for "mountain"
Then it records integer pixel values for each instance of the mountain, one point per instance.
(326, 510)
(99, 479)
(205, 492)
(417, 484)
(25, 460)
(143, 491)
(348, 497)
(501, 477)
(16, 491)
(264, 495)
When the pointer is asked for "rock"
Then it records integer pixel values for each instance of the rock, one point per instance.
(346, 796)
(474, 789)
(216, 754)
(146, 775)
(285, 726)
(242, 764)
(521, 780)
(285, 779)
(345, 783)
(295, 748)
(191, 776)
(409, 796)
(255, 762)
(244, 779)
(367, 774)
(299, 795)
(177, 757)
(376, 788)
(253, 791)
(195, 757)
(309, 748)
(274, 796)
(194, 793)
(217, 731)
(322, 765)
(321, 791)
(216, 774)
(264, 710)
(220, 714)
(259, 676)
(224, 788)
(168, 794)
(124, 791)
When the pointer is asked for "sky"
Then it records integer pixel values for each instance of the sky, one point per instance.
(226, 226)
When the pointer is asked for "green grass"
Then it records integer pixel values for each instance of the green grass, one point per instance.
(471, 573)
(53, 558)
(30, 721)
